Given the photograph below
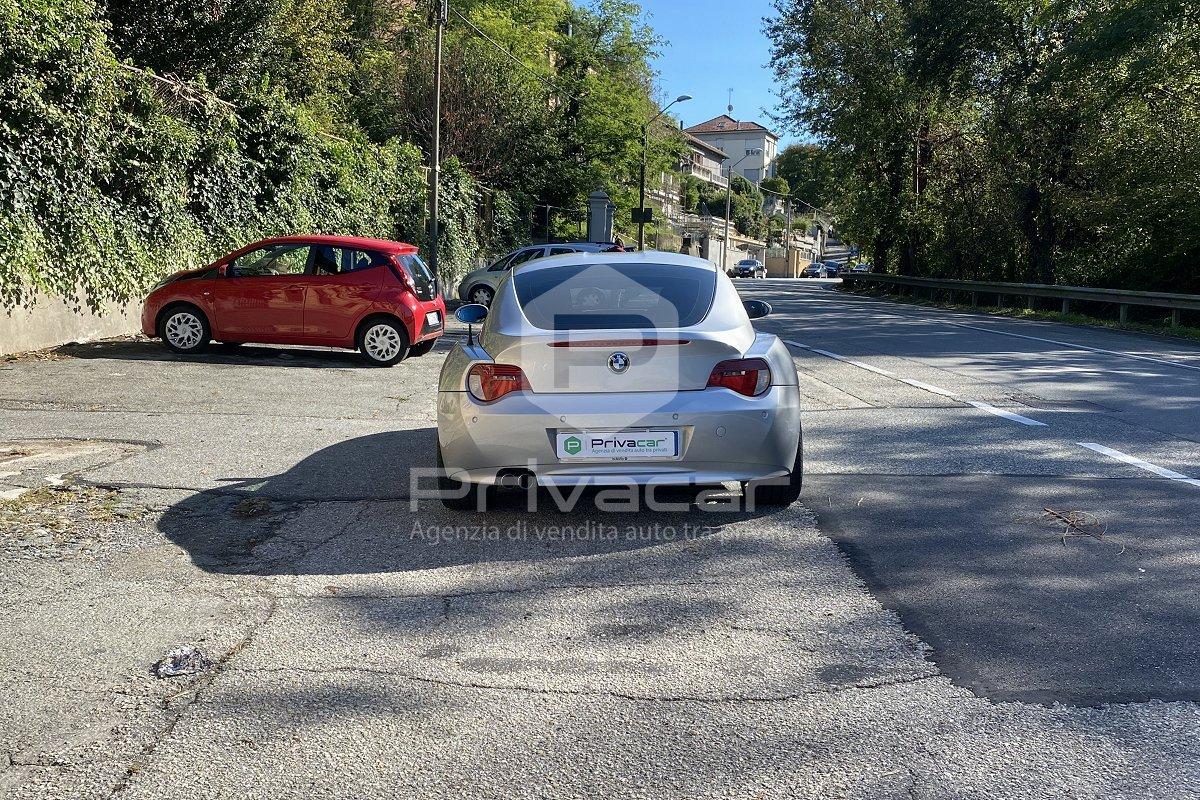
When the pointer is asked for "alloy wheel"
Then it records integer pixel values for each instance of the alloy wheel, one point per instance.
(382, 342)
(481, 295)
(184, 330)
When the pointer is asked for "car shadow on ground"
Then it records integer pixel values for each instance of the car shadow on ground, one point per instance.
(346, 510)
(218, 353)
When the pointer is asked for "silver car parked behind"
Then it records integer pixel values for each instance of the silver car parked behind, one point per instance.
(618, 369)
(480, 285)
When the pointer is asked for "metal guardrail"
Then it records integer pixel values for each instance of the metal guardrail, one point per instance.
(1119, 297)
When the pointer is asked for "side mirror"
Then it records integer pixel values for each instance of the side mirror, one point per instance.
(471, 314)
(756, 309)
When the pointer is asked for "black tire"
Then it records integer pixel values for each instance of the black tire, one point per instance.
(382, 342)
(780, 493)
(421, 348)
(183, 328)
(484, 295)
(475, 499)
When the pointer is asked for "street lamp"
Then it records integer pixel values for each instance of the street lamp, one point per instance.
(728, 197)
(683, 98)
(440, 15)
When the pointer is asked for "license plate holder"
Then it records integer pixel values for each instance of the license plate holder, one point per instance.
(621, 445)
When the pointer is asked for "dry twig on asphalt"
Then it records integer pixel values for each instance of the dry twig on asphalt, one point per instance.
(1077, 523)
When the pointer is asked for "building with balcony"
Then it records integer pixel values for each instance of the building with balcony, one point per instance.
(737, 139)
(703, 161)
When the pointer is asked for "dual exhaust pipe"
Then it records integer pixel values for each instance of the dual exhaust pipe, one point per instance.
(515, 479)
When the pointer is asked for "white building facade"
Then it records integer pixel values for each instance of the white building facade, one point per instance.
(737, 140)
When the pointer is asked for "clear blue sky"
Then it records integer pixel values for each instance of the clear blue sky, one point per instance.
(735, 55)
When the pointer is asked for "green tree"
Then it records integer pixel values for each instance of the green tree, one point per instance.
(136, 136)
(808, 173)
(1028, 140)
(777, 185)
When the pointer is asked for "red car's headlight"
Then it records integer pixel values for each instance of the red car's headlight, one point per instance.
(488, 382)
(748, 376)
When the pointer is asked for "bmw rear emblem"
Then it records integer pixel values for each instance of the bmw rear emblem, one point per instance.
(618, 362)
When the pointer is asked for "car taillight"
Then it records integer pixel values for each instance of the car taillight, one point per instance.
(488, 382)
(748, 376)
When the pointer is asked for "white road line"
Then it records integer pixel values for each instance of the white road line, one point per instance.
(1078, 346)
(1000, 412)
(933, 318)
(1140, 464)
(929, 387)
(918, 384)
(837, 357)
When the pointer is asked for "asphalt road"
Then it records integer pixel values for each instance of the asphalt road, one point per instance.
(941, 503)
(910, 629)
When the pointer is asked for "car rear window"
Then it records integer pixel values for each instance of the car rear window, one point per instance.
(423, 278)
(615, 296)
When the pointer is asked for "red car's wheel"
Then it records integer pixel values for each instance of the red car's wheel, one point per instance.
(383, 342)
(184, 329)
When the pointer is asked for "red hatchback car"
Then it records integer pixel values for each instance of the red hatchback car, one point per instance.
(337, 291)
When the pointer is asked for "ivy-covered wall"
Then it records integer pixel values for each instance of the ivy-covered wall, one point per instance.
(110, 178)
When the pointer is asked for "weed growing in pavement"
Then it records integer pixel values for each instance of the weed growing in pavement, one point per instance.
(54, 521)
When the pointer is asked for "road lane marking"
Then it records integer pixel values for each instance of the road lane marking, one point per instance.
(923, 317)
(1000, 412)
(1078, 346)
(929, 387)
(837, 357)
(1140, 464)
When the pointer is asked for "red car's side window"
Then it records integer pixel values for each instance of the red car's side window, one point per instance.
(279, 259)
(328, 260)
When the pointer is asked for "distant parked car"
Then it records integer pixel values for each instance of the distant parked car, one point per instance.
(821, 269)
(748, 268)
(480, 286)
(860, 268)
(334, 291)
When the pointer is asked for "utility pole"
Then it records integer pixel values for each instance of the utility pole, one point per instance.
(728, 198)
(641, 209)
(787, 239)
(642, 190)
(440, 13)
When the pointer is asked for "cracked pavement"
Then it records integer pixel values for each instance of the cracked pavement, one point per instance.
(365, 649)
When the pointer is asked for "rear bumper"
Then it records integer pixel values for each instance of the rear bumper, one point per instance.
(424, 329)
(724, 436)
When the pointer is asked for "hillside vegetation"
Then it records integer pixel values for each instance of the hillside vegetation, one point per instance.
(140, 138)
(1049, 141)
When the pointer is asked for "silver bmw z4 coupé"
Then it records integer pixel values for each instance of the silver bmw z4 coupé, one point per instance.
(618, 369)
